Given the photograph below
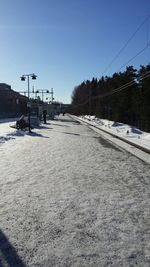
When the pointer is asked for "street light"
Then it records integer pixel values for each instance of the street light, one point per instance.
(42, 91)
(23, 78)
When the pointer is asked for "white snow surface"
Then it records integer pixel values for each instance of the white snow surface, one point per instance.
(7, 133)
(126, 132)
(69, 198)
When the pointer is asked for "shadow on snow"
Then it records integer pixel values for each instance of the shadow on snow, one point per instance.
(19, 133)
(36, 135)
(8, 254)
(56, 124)
(69, 121)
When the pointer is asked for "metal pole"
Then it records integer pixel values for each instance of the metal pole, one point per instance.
(29, 105)
(52, 95)
(42, 95)
(28, 88)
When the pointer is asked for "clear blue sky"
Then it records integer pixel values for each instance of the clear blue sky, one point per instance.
(66, 42)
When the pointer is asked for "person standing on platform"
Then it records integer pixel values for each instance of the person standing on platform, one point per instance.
(44, 115)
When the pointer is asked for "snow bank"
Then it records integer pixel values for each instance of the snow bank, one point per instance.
(125, 131)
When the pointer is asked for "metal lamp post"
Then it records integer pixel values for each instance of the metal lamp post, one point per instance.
(23, 78)
(42, 91)
(51, 98)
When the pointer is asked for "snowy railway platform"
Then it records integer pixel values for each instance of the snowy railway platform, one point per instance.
(71, 198)
(128, 137)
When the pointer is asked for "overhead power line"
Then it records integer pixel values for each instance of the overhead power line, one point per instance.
(140, 52)
(125, 86)
(146, 20)
(119, 89)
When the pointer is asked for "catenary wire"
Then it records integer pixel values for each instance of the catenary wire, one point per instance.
(140, 52)
(132, 36)
(121, 88)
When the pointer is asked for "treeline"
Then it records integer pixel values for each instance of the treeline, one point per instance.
(123, 97)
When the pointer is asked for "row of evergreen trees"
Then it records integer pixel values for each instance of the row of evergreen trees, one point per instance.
(123, 97)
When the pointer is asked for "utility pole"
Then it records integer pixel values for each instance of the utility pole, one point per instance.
(52, 93)
(23, 77)
(42, 91)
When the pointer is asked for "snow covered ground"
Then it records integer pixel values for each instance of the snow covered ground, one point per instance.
(124, 132)
(6, 133)
(69, 198)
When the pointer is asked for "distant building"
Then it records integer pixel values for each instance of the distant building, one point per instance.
(5, 86)
(11, 102)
